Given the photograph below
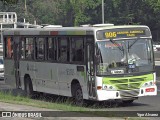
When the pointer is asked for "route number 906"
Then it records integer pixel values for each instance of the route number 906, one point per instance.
(110, 34)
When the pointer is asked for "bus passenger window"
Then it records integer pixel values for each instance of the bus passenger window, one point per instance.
(52, 48)
(9, 48)
(63, 49)
(22, 48)
(29, 49)
(77, 49)
(63, 56)
(40, 48)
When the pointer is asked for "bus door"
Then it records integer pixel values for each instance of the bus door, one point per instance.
(90, 70)
(16, 57)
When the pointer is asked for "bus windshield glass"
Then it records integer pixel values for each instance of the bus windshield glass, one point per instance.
(124, 56)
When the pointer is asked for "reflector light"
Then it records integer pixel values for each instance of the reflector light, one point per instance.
(99, 87)
(150, 90)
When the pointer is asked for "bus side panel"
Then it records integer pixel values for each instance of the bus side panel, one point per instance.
(67, 73)
(46, 77)
(53, 78)
(9, 73)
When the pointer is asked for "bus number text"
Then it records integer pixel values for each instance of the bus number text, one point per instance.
(70, 71)
(110, 34)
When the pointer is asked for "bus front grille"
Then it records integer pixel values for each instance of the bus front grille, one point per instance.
(128, 84)
(129, 93)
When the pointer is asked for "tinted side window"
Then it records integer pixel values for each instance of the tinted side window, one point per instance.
(9, 47)
(77, 49)
(52, 49)
(40, 48)
(63, 48)
(29, 48)
(23, 48)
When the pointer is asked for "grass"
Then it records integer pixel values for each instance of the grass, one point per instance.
(64, 106)
(9, 98)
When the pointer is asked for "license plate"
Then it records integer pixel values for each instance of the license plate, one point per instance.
(132, 66)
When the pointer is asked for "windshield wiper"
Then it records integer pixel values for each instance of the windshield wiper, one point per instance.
(115, 43)
(133, 43)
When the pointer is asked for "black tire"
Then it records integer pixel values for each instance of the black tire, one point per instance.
(77, 95)
(28, 87)
(127, 101)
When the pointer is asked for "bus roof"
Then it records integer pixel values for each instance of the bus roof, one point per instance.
(87, 30)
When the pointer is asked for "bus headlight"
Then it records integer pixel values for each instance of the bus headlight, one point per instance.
(105, 87)
(148, 84)
(108, 87)
(111, 87)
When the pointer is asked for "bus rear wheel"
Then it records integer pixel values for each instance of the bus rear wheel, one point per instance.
(78, 95)
(28, 87)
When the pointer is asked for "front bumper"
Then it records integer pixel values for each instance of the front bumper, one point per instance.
(126, 94)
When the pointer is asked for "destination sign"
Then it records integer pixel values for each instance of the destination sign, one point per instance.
(130, 33)
(123, 33)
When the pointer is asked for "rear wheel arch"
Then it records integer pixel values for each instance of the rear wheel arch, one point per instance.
(77, 93)
(73, 83)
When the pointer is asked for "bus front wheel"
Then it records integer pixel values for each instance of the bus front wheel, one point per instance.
(28, 87)
(78, 95)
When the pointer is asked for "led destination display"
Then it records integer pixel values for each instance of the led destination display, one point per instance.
(122, 33)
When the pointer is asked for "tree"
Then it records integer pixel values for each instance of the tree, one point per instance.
(79, 12)
(9, 1)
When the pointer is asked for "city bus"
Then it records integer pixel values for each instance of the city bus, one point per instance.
(98, 62)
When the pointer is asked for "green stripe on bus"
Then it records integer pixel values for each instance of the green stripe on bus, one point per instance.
(84, 75)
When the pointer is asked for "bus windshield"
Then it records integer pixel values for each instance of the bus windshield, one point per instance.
(124, 56)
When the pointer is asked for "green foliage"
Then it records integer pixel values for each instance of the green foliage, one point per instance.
(9, 1)
(77, 12)
(44, 11)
